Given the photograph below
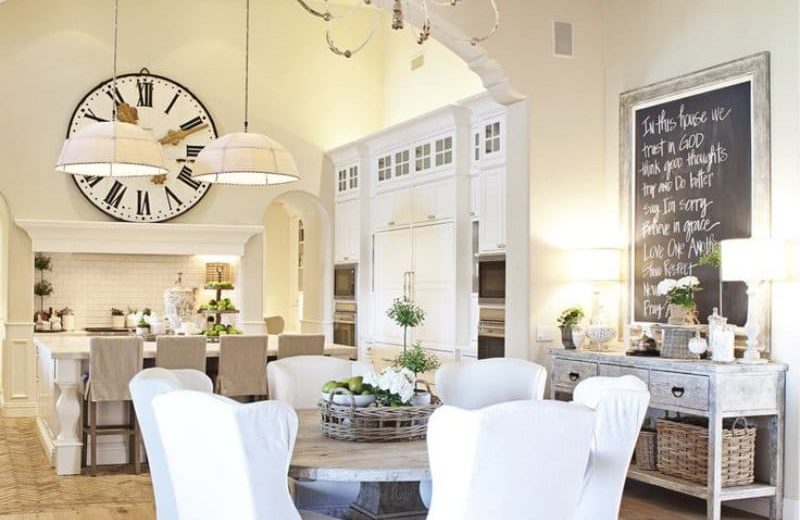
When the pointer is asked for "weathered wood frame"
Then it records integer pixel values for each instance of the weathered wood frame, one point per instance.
(756, 70)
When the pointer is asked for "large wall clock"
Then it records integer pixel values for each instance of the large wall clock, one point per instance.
(176, 118)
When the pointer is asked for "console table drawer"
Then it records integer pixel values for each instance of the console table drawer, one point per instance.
(619, 370)
(678, 390)
(570, 373)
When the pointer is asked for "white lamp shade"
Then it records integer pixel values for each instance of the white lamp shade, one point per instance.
(753, 259)
(595, 264)
(111, 149)
(245, 159)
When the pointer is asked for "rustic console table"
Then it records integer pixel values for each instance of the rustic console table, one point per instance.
(701, 388)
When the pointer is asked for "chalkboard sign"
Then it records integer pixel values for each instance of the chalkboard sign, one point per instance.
(691, 184)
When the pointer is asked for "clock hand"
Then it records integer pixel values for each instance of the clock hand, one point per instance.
(174, 137)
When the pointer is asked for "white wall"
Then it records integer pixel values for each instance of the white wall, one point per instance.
(652, 40)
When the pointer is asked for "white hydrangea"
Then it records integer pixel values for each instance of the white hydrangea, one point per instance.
(688, 281)
(665, 286)
(395, 381)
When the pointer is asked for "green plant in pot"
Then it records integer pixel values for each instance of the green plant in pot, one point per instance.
(407, 314)
(679, 296)
(419, 361)
(42, 288)
(142, 327)
(117, 318)
(567, 321)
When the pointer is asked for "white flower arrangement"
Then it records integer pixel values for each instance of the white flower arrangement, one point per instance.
(679, 292)
(393, 385)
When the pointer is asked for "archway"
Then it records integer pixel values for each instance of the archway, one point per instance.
(297, 247)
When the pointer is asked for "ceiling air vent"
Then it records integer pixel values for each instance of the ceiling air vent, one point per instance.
(562, 39)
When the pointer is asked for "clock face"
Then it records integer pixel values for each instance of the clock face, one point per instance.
(176, 118)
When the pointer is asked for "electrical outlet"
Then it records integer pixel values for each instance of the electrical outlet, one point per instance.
(546, 333)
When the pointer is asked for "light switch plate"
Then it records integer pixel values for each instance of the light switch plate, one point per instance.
(545, 333)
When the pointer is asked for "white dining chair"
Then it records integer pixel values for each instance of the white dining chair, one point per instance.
(144, 387)
(227, 459)
(297, 381)
(475, 384)
(518, 460)
(621, 405)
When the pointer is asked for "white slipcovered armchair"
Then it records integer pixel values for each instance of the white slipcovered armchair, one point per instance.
(476, 384)
(297, 381)
(516, 460)
(621, 405)
(144, 387)
(227, 459)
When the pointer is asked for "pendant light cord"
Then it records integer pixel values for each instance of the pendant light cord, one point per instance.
(246, 67)
(114, 72)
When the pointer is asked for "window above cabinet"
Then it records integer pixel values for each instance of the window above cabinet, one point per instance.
(444, 151)
(347, 179)
(422, 157)
(384, 168)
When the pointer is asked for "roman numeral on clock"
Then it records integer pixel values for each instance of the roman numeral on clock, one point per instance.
(172, 197)
(171, 104)
(91, 115)
(115, 194)
(188, 125)
(142, 202)
(92, 180)
(193, 150)
(185, 176)
(145, 93)
(116, 97)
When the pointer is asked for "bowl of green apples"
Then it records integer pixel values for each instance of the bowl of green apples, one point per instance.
(348, 391)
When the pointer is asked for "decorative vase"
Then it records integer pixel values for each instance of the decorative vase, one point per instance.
(117, 322)
(178, 304)
(566, 338)
(421, 398)
(68, 322)
(680, 315)
(578, 334)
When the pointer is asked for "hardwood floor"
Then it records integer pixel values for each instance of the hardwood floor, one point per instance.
(30, 490)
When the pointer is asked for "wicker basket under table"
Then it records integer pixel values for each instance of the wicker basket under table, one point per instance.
(376, 423)
(646, 454)
(682, 446)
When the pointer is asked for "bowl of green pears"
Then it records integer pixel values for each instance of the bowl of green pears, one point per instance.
(348, 391)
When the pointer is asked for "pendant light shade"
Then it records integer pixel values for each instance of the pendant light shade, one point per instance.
(111, 149)
(245, 159)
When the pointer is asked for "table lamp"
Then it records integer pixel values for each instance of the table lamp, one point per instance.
(753, 261)
(600, 266)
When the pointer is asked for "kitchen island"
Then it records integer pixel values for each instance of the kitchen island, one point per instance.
(61, 362)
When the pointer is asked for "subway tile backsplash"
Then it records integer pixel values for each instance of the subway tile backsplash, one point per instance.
(91, 284)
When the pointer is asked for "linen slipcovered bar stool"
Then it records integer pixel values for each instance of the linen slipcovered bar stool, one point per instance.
(112, 364)
(290, 345)
(275, 324)
(242, 366)
(181, 352)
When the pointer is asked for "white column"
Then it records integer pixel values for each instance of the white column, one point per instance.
(250, 282)
(67, 445)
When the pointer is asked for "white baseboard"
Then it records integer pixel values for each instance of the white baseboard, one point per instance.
(19, 409)
(46, 439)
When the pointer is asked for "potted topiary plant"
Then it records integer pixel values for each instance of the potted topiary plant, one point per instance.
(567, 321)
(117, 319)
(418, 361)
(142, 327)
(407, 314)
(42, 288)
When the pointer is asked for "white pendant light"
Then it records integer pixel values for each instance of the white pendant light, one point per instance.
(243, 158)
(112, 148)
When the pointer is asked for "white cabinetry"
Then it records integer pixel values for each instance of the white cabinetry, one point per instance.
(492, 227)
(475, 197)
(434, 201)
(417, 262)
(348, 230)
(392, 209)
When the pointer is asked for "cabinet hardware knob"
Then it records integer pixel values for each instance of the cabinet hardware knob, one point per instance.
(574, 376)
(678, 391)
(471, 213)
(431, 217)
(391, 222)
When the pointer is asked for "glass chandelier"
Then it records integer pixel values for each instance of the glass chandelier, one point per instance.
(399, 9)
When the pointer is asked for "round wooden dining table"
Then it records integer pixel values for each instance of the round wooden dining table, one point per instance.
(389, 472)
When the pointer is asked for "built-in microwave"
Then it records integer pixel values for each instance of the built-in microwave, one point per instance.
(344, 282)
(492, 279)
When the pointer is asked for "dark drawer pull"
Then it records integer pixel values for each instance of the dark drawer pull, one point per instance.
(574, 376)
(678, 391)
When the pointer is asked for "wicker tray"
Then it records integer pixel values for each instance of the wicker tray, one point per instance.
(676, 342)
(683, 450)
(375, 423)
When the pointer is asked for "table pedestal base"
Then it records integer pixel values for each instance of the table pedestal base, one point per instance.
(388, 500)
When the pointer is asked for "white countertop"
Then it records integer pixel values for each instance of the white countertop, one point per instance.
(76, 346)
